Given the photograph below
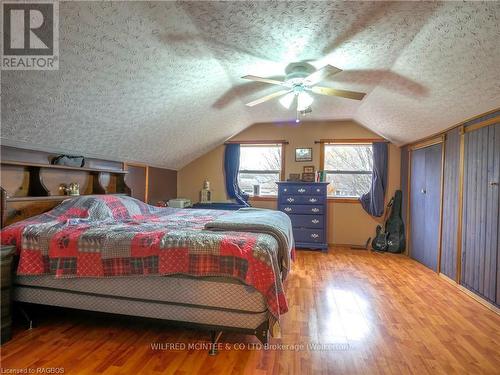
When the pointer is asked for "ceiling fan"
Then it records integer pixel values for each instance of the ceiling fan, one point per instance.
(300, 79)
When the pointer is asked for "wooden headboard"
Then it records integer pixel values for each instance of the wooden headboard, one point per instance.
(31, 188)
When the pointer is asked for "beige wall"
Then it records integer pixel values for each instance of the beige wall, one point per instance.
(348, 223)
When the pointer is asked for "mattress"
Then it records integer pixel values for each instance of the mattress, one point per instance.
(203, 300)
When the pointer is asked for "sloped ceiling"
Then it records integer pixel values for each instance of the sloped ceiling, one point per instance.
(159, 82)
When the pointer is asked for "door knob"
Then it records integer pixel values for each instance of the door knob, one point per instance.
(494, 183)
(423, 191)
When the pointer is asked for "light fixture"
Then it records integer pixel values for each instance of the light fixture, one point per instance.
(304, 100)
(287, 100)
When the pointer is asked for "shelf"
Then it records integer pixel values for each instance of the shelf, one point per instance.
(48, 198)
(53, 166)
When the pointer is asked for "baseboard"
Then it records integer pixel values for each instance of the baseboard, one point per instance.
(471, 294)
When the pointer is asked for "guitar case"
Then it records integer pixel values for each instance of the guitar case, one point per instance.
(394, 226)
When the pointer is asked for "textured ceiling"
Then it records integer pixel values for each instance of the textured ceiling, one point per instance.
(159, 82)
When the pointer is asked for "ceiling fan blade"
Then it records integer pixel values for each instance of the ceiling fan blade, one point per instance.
(334, 92)
(268, 97)
(321, 74)
(265, 80)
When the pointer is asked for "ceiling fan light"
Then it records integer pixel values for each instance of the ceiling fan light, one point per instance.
(286, 101)
(304, 100)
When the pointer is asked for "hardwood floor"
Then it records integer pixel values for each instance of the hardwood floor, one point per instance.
(373, 313)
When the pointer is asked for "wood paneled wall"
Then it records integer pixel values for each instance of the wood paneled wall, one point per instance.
(162, 184)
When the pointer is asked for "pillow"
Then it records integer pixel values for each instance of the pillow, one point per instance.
(100, 207)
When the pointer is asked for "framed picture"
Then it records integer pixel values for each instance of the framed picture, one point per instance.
(308, 177)
(303, 154)
(294, 177)
(309, 169)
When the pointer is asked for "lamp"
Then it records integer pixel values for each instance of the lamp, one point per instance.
(287, 100)
(304, 100)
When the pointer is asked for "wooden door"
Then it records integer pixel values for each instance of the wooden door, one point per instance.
(425, 203)
(480, 233)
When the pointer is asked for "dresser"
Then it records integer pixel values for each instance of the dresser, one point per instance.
(305, 204)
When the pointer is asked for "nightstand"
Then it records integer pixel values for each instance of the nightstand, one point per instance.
(6, 264)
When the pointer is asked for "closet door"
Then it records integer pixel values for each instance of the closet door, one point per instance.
(425, 204)
(417, 206)
(480, 232)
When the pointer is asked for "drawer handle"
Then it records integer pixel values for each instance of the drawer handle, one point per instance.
(287, 209)
(315, 221)
(315, 235)
(313, 200)
(315, 209)
(301, 190)
(290, 200)
(318, 190)
(285, 189)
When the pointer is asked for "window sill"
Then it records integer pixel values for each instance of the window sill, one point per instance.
(263, 198)
(343, 200)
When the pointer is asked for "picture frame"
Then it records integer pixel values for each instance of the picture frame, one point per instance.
(308, 169)
(294, 177)
(303, 154)
(308, 177)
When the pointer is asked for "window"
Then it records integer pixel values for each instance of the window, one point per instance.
(348, 168)
(260, 165)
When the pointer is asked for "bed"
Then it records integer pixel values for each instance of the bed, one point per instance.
(210, 269)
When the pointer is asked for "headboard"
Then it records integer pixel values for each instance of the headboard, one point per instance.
(30, 188)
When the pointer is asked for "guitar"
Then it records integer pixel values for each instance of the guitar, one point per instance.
(396, 240)
(380, 241)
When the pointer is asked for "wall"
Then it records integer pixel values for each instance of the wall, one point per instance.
(162, 184)
(348, 222)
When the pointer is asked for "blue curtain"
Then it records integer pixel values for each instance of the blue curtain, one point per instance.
(373, 201)
(231, 168)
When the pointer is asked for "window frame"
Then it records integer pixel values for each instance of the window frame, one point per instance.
(281, 172)
(347, 142)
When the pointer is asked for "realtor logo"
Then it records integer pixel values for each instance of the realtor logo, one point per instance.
(30, 35)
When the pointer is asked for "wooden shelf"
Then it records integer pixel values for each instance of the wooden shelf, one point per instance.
(47, 198)
(38, 191)
(53, 166)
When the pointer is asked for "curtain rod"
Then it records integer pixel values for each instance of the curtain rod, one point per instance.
(265, 142)
(352, 140)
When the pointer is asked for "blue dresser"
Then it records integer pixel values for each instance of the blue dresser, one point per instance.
(305, 203)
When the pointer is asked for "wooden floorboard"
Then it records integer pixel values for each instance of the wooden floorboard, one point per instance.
(374, 314)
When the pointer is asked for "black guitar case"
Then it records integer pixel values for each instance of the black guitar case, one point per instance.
(396, 240)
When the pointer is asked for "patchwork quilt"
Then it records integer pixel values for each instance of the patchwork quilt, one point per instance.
(110, 236)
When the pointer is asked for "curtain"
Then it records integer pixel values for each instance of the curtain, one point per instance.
(231, 168)
(373, 201)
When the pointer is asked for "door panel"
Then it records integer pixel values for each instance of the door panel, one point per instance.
(417, 205)
(425, 204)
(481, 211)
(433, 157)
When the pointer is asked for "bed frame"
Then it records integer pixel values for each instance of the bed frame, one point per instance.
(32, 206)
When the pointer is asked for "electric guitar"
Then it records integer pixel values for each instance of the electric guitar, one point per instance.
(379, 243)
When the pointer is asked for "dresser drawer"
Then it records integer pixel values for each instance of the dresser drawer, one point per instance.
(302, 190)
(301, 209)
(307, 221)
(308, 235)
(301, 199)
